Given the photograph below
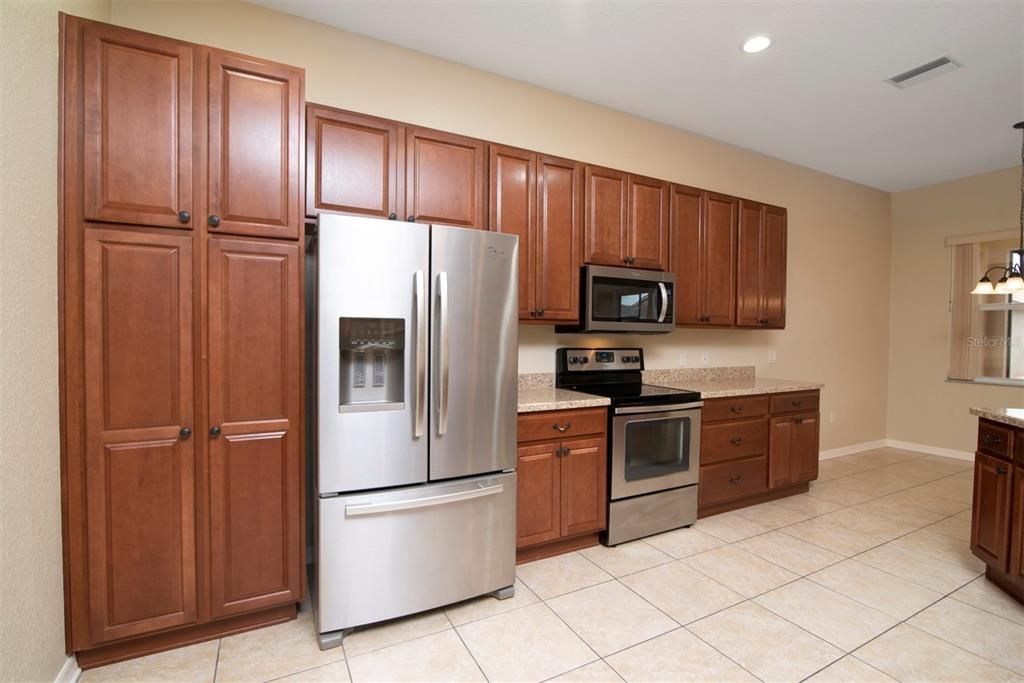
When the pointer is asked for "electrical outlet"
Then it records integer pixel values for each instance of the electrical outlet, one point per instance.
(772, 357)
(682, 359)
(705, 358)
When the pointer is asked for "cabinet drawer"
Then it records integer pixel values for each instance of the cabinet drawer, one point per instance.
(731, 480)
(718, 409)
(803, 402)
(559, 424)
(733, 440)
(994, 439)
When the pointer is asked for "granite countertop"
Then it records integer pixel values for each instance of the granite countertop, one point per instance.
(720, 388)
(1010, 416)
(535, 399)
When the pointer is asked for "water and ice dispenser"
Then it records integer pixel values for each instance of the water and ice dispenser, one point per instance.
(372, 364)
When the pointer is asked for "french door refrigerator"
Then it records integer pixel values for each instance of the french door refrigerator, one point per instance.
(416, 410)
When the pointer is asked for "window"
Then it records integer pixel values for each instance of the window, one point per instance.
(987, 332)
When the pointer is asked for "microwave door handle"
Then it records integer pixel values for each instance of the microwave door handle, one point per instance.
(664, 302)
(420, 391)
(442, 390)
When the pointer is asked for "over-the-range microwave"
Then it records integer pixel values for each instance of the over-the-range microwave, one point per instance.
(624, 301)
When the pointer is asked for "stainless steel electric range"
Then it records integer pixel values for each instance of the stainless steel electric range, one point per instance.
(653, 441)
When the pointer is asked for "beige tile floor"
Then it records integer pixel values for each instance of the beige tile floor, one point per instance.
(867, 578)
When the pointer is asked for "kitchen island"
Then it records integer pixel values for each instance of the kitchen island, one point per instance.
(997, 517)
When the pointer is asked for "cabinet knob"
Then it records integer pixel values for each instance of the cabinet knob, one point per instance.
(214, 432)
(1000, 470)
(562, 428)
(213, 220)
(540, 312)
(392, 216)
(736, 440)
(410, 218)
(184, 216)
(736, 480)
(798, 420)
(184, 433)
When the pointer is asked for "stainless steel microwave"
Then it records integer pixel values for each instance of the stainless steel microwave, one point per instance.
(624, 301)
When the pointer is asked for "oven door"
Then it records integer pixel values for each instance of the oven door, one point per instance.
(654, 448)
(627, 300)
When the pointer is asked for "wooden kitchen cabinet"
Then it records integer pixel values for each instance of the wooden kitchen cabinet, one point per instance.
(538, 198)
(137, 163)
(562, 480)
(354, 164)
(761, 266)
(255, 308)
(171, 327)
(793, 449)
(255, 147)
(993, 503)
(1017, 527)
(627, 219)
(445, 178)
(704, 244)
(139, 457)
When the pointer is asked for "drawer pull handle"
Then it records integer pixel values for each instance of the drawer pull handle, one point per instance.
(562, 428)
(736, 479)
(797, 404)
(989, 438)
(1000, 470)
(736, 440)
(736, 409)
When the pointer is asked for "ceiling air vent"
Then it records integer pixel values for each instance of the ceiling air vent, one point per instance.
(931, 69)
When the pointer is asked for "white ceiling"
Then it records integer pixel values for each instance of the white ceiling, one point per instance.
(816, 97)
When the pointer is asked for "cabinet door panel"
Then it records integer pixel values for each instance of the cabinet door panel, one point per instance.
(254, 393)
(137, 136)
(804, 454)
(584, 483)
(749, 265)
(1017, 524)
(255, 122)
(353, 163)
(990, 521)
(606, 211)
(445, 178)
(557, 238)
(687, 214)
(774, 278)
(513, 174)
(139, 471)
(718, 272)
(647, 236)
(538, 495)
(781, 439)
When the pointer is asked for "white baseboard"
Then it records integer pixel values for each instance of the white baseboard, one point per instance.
(68, 673)
(930, 450)
(893, 443)
(851, 449)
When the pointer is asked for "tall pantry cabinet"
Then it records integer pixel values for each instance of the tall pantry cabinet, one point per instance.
(180, 314)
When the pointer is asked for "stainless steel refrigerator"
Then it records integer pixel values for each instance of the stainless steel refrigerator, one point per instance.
(416, 419)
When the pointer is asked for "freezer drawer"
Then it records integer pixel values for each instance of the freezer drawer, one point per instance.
(388, 554)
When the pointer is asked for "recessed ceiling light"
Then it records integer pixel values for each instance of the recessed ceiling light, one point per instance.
(756, 44)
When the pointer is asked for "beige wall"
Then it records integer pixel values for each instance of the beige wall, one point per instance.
(923, 407)
(31, 593)
(837, 329)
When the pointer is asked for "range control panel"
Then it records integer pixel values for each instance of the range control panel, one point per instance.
(579, 360)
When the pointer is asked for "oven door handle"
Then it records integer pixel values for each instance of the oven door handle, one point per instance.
(636, 410)
(664, 302)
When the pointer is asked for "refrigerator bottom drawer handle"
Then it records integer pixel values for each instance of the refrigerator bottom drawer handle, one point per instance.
(359, 509)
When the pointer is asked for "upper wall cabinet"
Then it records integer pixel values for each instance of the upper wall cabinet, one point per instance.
(352, 164)
(627, 220)
(704, 256)
(255, 149)
(761, 269)
(137, 127)
(539, 199)
(445, 178)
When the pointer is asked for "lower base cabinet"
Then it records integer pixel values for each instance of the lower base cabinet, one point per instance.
(997, 517)
(562, 475)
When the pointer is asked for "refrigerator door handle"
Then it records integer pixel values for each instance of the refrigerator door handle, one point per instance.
(357, 509)
(420, 392)
(664, 302)
(443, 343)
